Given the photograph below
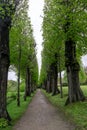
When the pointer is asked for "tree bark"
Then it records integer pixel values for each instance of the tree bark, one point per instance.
(19, 69)
(32, 84)
(61, 90)
(4, 65)
(49, 82)
(54, 70)
(74, 91)
(55, 89)
(27, 84)
(45, 84)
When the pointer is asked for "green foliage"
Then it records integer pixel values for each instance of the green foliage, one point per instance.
(12, 86)
(21, 39)
(22, 87)
(62, 20)
(82, 76)
(7, 10)
(11, 91)
(11, 96)
(3, 123)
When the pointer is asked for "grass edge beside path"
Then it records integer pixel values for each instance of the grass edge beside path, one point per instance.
(76, 113)
(17, 112)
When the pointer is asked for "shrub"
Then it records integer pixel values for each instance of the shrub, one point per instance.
(3, 123)
(11, 96)
(22, 87)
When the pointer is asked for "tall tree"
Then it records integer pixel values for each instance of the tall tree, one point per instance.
(7, 9)
(71, 63)
(21, 35)
(63, 28)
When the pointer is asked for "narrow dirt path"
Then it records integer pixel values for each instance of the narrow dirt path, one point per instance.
(41, 115)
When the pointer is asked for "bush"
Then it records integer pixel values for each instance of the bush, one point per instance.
(22, 87)
(3, 123)
(11, 96)
(12, 86)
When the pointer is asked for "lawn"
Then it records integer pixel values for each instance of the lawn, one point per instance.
(75, 112)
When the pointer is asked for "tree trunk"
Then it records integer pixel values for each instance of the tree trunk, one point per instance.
(61, 90)
(4, 65)
(74, 91)
(54, 69)
(19, 63)
(28, 87)
(32, 84)
(55, 89)
(50, 88)
(45, 84)
(49, 82)
(28, 84)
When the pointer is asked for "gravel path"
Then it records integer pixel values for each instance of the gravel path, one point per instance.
(41, 115)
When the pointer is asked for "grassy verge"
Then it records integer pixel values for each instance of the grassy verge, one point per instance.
(75, 112)
(16, 112)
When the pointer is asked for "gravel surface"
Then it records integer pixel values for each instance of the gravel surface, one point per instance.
(41, 115)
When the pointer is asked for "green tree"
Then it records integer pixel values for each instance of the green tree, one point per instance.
(63, 28)
(7, 9)
(21, 39)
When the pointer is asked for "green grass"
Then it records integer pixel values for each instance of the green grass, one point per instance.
(16, 112)
(75, 112)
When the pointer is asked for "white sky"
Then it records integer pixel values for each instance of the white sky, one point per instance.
(12, 76)
(35, 11)
(84, 60)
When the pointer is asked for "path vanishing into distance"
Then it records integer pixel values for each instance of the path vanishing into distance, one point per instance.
(41, 115)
